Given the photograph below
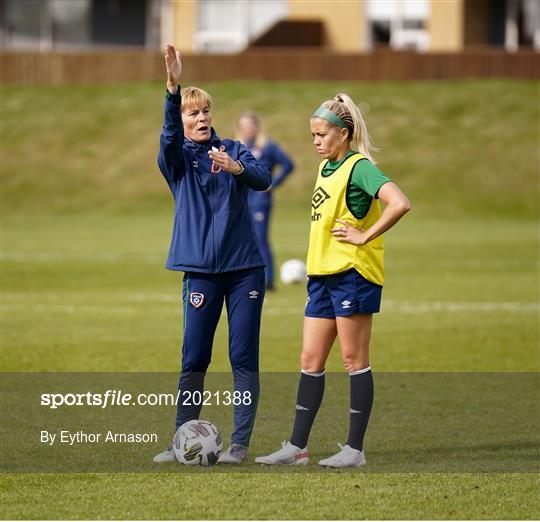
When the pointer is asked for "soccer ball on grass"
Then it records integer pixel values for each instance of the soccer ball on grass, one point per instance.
(197, 443)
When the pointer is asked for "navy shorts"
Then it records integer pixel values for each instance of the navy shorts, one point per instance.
(341, 295)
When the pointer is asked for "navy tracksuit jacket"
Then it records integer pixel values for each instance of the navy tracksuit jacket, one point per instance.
(260, 203)
(213, 242)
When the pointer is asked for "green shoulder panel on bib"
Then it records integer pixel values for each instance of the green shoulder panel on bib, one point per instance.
(365, 181)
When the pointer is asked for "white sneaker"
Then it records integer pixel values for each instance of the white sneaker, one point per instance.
(167, 455)
(288, 454)
(347, 457)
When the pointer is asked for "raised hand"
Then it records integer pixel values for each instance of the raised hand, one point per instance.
(173, 63)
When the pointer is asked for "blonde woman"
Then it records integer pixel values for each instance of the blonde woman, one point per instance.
(280, 165)
(346, 275)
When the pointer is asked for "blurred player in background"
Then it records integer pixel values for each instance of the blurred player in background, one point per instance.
(271, 156)
(346, 274)
(214, 245)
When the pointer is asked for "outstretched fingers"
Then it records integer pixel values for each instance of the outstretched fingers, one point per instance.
(173, 63)
(169, 53)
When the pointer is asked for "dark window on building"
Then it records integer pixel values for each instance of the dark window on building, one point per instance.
(498, 21)
(380, 32)
(118, 22)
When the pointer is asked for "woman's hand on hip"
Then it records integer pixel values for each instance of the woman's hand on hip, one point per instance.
(173, 63)
(349, 234)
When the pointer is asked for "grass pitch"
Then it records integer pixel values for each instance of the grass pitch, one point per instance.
(85, 231)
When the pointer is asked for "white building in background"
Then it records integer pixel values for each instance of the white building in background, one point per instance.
(399, 24)
(229, 26)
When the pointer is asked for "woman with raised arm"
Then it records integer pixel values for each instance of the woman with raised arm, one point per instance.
(213, 243)
(346, 275)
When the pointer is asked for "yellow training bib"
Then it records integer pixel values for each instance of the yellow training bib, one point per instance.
(326, 255)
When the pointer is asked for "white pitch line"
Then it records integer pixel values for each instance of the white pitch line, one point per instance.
(67, 309)
(160, 298)
(62, 257)
(463, 306)
(26, 302)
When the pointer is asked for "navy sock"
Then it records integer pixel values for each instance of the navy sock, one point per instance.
(310, 394)
(361, 400)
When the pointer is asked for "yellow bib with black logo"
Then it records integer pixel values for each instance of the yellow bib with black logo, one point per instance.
(326, 255)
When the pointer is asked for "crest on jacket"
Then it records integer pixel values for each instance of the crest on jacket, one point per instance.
(196, 299)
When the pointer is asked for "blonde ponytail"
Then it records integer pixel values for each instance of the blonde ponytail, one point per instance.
(346, 110)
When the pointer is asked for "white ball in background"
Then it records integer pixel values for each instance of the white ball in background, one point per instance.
(293, 271)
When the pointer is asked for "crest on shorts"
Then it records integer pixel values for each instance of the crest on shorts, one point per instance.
(196, 299)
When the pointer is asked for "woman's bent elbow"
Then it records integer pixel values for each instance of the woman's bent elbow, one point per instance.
(405, 206)
(264, 185)
(267, 181)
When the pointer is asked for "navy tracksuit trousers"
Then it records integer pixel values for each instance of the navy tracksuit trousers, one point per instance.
(203, 296)
(260, 214)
